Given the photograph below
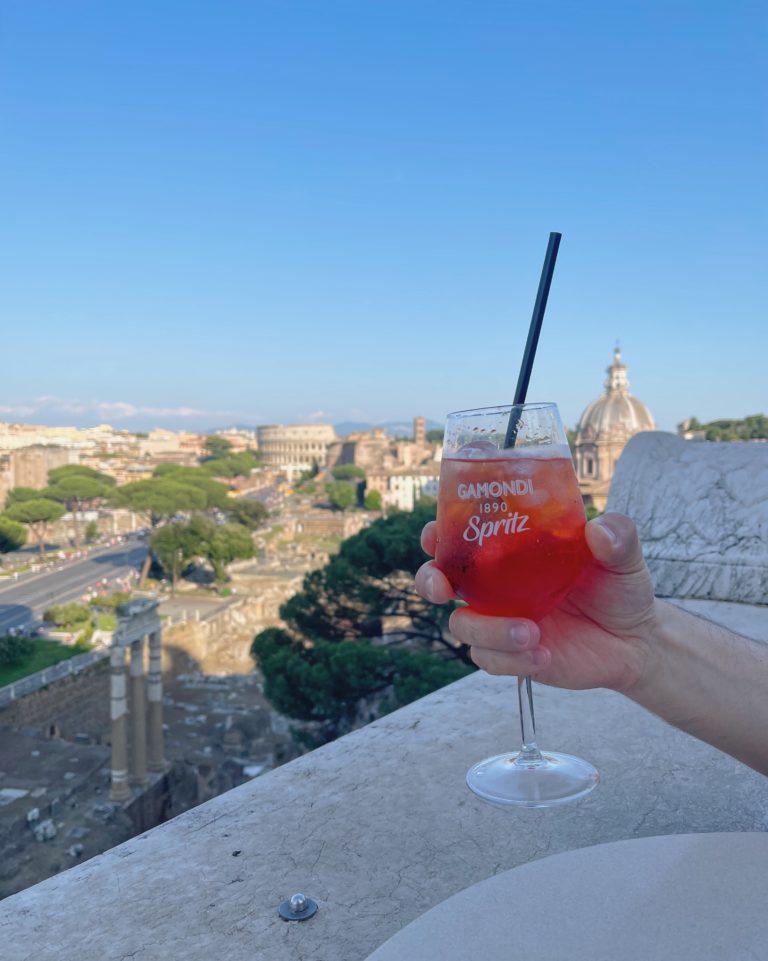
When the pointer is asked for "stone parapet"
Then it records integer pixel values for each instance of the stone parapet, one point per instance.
(702, 513)
(377, 827)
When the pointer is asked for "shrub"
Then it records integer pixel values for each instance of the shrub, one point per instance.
(341, 495)
(12, 535)
(14, 650)
(106, 621)
(348, 472)
(67, 615)
(110, 602)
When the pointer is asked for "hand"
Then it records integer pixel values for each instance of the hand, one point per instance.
(601, 635)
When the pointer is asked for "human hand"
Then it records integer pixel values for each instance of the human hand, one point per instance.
(601, 635)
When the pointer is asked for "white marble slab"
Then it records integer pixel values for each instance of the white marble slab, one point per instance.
(693, 897)
(702, 512)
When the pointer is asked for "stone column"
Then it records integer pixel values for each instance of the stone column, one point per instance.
(138, 716)
(119, 790)
(155, 698)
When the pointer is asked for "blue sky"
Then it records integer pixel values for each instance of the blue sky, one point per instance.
(256, 211)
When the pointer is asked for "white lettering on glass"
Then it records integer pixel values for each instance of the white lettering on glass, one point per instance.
(495, 489)
(478, 531)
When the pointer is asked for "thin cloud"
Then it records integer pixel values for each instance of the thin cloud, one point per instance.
(117, 410)
(18, 411)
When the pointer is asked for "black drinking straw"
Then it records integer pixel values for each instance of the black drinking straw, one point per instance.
(527, 717)
(532, 343)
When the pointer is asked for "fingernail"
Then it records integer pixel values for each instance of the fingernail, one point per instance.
(611, 533)
(540, 657)
(520, 634)
(429, 583)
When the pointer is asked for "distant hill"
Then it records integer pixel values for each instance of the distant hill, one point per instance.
(394, 428)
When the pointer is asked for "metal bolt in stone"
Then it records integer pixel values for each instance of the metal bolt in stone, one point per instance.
(297, 908)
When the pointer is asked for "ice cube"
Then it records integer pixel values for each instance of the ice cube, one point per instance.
(477, 450)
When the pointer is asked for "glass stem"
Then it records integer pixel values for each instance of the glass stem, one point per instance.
(530, 751)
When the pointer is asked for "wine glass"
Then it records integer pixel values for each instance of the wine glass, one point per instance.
(510, 539)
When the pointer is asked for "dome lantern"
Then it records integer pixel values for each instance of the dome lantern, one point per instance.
(604, 428)
(617, 381)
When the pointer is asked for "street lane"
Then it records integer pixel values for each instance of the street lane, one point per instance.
(26, 600)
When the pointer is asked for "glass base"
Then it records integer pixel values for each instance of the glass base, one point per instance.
(511, 779)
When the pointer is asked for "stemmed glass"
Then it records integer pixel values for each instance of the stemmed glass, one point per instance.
(510, 539)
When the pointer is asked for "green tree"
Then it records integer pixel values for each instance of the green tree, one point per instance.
(753, 427)
(13, 535)
(91, 532)
(158, 499)
(78, 489)
(250, 513)
(348, 472)
(370, 578)
(435, 436)
(79, 470)
(19, 494)
(38, 515)
(217, 446)
(372, 500)
(216, 494)
(174, 546)
(325, 665)
(229, 542)
(235, 465)
(325, 682)
(341, 495)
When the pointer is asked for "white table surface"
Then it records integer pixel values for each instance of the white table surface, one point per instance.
(690, 897)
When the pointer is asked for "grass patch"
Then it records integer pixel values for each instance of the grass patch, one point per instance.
(106, 621)
(45, 653)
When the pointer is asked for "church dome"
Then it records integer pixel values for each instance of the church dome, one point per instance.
(616, 414)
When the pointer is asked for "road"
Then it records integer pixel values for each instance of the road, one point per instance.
(24, 602)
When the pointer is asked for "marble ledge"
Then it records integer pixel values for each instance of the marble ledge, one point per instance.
(377, 827)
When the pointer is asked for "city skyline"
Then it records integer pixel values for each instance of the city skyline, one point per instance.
(294, 217)
(122, 415)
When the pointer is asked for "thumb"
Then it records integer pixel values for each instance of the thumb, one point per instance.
(614, 543)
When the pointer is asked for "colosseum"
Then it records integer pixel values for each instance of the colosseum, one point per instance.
(294, 448)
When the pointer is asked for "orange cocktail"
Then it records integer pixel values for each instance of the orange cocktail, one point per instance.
(510, 539)
(510, 535)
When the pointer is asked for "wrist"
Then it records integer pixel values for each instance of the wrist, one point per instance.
(653, 649)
